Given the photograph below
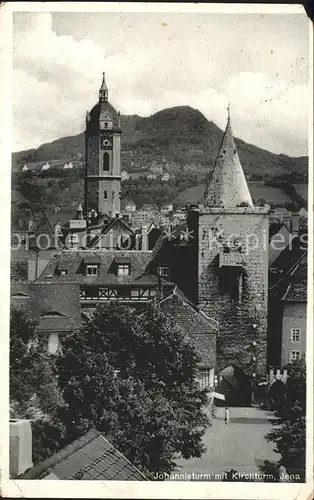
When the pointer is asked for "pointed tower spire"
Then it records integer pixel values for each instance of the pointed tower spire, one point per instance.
(103, 91)
(227, 187)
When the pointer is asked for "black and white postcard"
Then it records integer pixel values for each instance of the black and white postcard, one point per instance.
(157, 251)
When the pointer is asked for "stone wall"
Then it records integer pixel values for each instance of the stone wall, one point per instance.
(236, 296)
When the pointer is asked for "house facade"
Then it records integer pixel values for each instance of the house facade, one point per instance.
(294, 316)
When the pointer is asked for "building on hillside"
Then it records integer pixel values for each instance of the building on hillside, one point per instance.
(167, 208)
(180, 214)
(140, 218)
(165, 177)
(129, 206)
(294, 315)
(155, 168)
(91, 456)
(150, 207)
(231, 273)
(102, 147)
(151, 176)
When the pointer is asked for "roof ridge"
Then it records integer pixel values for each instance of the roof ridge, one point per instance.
(123, 456)
(57, 457)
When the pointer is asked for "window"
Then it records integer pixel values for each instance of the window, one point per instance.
(295, 356)
(106, 162)
(123, 269)
(163, 270)
(106, 124)
(105, 195)
(295, 335)
(92, 270)
(63, 272)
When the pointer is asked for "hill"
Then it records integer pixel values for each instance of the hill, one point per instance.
(179, 135)
(257, 189)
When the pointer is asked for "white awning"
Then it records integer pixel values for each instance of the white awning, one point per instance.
(217, 395)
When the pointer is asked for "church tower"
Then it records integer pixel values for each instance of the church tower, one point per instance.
(102, 157)
(232, 262)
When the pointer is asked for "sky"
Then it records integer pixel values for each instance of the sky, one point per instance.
(258, 63)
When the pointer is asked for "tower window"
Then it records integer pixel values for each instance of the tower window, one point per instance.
(106, 162)
(105, 195)
(106, 124)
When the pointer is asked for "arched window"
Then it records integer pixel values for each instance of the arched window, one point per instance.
(106, 162)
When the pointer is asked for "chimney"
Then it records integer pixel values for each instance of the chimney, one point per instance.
(295, 223)
(287, 221)
(20, 447)
(144, 238)
(160, 288)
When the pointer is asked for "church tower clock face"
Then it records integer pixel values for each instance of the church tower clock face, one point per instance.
(106, 141)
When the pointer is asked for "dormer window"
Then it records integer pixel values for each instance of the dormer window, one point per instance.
(163, 271)
(63, 272)
(123, 269)
(92, 270)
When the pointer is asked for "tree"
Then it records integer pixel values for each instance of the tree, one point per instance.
(152, 410)
(290, 437)
(34, 392)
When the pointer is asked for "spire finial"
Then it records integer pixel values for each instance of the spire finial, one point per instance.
(228, 109)
(103, 91)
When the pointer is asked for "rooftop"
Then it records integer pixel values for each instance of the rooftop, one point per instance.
(197, 326)
(141, 269)
(57, 306)
(297, 289)
(89, 457)
(226, 186)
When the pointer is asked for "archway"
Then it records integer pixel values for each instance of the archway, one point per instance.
(235, 385)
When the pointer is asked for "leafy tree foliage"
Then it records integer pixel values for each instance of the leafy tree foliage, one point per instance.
(152, 410)
(34, 391)
(290, 437)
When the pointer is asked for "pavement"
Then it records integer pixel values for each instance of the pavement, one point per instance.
(239, 445)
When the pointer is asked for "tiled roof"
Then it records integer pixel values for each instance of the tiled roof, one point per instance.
(89, 457)
(56, 305)
(279, 241)
(297, 290)
(73, 261)
(200, 329)
(107, 227)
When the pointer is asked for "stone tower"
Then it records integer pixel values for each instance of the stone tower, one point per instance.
(102, 157)
(232, 262)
